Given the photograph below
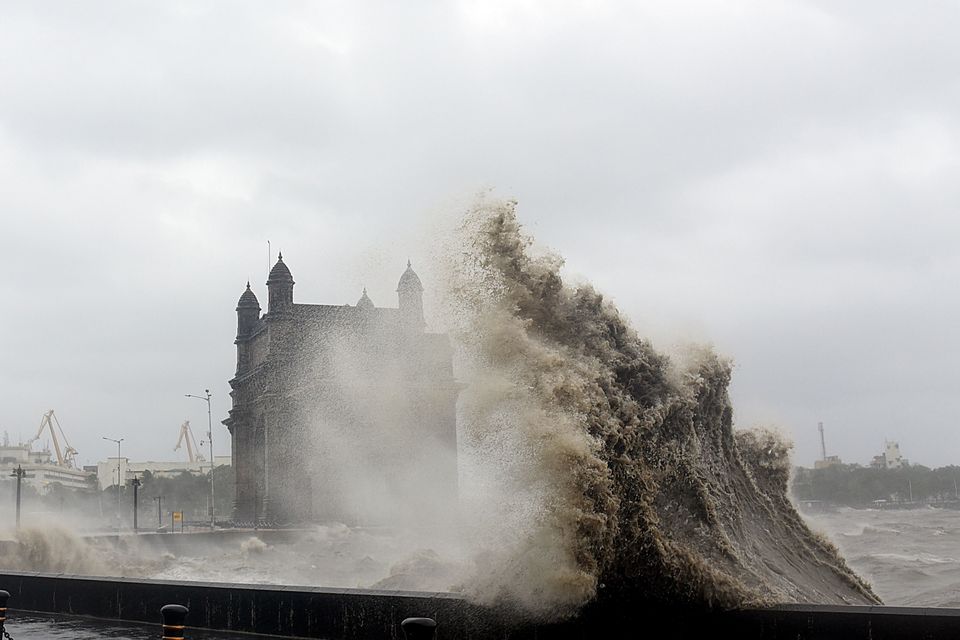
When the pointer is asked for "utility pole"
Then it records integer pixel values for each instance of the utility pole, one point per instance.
(18, 473)
(207, 397)
(136, 503)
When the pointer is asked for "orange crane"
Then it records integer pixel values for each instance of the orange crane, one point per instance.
(186, 435)
(65, 455)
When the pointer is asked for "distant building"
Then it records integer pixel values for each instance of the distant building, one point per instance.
(341, 412)
(107, 470)
(890, 458)
(41, 471)
(829, 461)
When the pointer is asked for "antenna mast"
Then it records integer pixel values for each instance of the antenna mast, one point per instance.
(823, 443)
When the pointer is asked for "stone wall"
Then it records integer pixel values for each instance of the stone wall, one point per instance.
(355, 614)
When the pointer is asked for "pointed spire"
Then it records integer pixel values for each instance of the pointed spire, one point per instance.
(408, 263)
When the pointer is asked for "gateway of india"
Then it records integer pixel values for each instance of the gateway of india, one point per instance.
(341, 413)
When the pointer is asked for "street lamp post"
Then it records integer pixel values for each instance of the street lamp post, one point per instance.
(136, 503)
(18, 473)
(213, 519)
(119, 479)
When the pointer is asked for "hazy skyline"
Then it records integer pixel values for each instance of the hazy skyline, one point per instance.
(774, 178)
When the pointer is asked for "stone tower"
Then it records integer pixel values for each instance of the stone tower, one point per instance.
(341, 413)
(280, 288)
(410, 294)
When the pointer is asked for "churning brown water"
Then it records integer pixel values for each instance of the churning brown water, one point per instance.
(620, 465)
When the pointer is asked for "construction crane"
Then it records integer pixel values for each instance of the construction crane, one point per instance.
(66, 454)
(186, 435)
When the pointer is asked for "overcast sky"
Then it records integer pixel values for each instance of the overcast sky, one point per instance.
(779, 179)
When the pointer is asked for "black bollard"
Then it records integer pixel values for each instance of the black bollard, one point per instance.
(4, 596)
(174, 621)
(419, 628)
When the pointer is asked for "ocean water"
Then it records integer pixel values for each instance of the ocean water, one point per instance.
(910, 556)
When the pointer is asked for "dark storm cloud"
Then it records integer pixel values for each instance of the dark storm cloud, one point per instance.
(774, 177)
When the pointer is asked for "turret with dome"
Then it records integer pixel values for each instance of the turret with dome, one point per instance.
(248, 312)
(280, 287)
(365, 303)
(410, 294)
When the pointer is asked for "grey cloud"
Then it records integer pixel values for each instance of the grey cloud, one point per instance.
(776, 179)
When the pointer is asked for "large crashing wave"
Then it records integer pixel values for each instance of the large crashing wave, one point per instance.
(604, 466)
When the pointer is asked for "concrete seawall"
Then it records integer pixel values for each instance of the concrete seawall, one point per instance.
(357, 614)
(289, 611)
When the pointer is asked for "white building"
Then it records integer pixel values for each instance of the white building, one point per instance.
(107, 470)
(892, 456)
(41, 471)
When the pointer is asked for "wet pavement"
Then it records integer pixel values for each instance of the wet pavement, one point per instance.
(23, 625)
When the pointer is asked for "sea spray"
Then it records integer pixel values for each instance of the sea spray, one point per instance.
(54, 549)
(50, 547)
(594, 462)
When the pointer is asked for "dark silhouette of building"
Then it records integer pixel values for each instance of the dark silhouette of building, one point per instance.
(341, 413)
